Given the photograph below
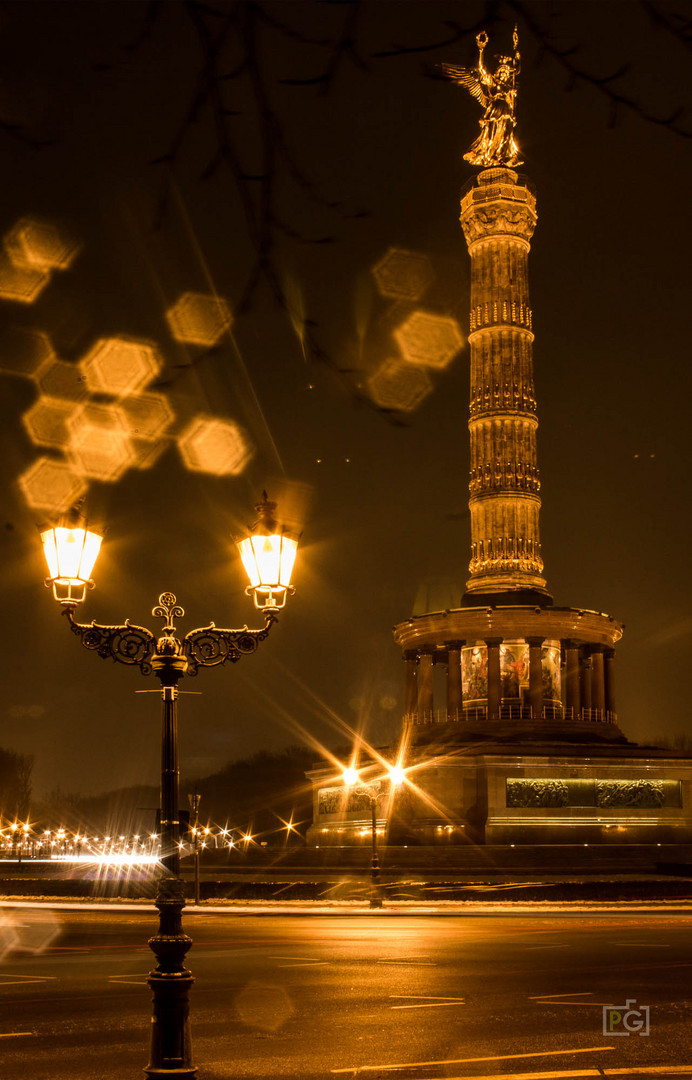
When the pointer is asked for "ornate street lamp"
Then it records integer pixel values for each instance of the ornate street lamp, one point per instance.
(373, 791)
(268, 552)
(71, 549)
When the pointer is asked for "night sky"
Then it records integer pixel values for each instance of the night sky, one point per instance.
(366, 159)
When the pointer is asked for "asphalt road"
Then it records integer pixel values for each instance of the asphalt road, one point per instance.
(414, 998)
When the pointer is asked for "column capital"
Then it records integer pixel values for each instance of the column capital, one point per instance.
(534, 642)
(410, 654)
(493, 641)
(570, 643)
(454, 644)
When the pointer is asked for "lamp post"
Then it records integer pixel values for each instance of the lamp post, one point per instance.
(268, 553)
(372, 791)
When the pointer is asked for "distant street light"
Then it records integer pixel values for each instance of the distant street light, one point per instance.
(373, 791)
(268, 553)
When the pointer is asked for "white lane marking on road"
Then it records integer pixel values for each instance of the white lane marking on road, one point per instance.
(556, 999)
(428, 1005)
(578, 1004)
(129, 980)
(563, 1074)
(306, 963)
(642, 944)
(415, 961)
(14, 1034)
(580, 993)
(15, 980)
(285, 957)
(530, 947)
(465, 1061)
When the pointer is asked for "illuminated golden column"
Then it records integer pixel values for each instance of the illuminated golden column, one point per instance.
(498, 216)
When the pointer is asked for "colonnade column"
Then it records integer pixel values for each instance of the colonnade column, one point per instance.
(425, 688)
(536, 676)
(585, 678)
(572, 679)
(494, 677)
(597, 679)
(411, 686)
(609, 673)
(454, 680)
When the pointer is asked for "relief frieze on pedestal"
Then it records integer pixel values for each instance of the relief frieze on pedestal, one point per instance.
(642, 793)
(545, 793)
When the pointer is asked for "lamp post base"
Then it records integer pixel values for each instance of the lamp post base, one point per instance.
(170, 983)
(375, 889)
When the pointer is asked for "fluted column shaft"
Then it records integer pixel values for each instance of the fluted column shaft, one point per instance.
(498, 217)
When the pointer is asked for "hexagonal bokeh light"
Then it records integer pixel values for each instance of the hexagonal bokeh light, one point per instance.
(214, 446)
(199, 319)
(429, 339)
(51, 485)
(60, 379)
(39, 245)
(403, 275)
(23, 284)
(99, 446)
(147, 415)
(46, 421)
(120, 366)
(399, 386)
(24, 352)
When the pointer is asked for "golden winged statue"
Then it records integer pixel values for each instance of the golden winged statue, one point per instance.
(497, 93)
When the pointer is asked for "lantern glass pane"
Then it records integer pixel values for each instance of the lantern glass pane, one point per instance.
(92, 546)
(50, 551)
(70, 543)
(248, 556)
(288, 557)
(267, 551)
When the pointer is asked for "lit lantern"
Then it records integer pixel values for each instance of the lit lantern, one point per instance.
(268, 553)
(70, 551)
(350, 777)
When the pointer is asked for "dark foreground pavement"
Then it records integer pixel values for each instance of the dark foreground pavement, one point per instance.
(418, 998)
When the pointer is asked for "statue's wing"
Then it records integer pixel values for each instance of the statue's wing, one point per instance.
(467, 77)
